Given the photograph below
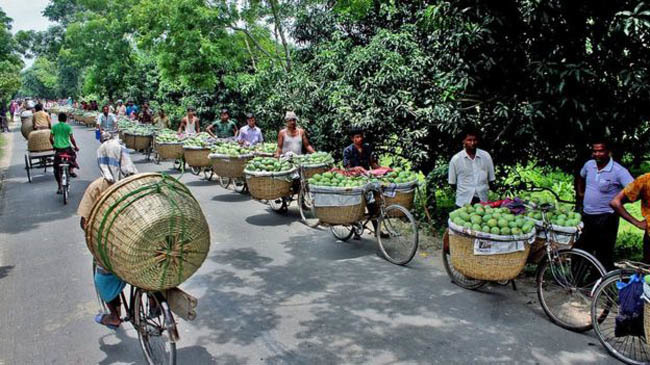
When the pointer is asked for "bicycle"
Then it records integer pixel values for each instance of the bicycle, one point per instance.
(396, 232)
(64, 176)
(631, 348)
(305, 205)
(151, 317)
(565, 276)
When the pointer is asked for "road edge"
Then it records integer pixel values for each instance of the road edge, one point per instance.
(6, 157)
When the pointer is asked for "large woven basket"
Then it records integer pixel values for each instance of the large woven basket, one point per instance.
(341, 215)
(39, 141)
(310, 170)
(230, 167)
(89, 120)
(27, 126)
(269, 186)
(149, 230)
(141, 142)
(197, 157)
(484, 267)
(169, 150)
(538, 248)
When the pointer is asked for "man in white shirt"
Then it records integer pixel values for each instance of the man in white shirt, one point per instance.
(250, 135)
(106, 121)
(471, 171)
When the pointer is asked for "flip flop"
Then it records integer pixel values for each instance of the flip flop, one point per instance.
(99, 318)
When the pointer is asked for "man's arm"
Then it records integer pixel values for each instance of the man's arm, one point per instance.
(181, 126)
(52, 139)
(235, 130)
(278, 151)
(305, 142)
(209, 130)
(618, 205)
(452, 176)
(74, 143)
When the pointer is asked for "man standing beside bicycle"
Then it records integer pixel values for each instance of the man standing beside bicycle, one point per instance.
(601, 179)
(471, 171)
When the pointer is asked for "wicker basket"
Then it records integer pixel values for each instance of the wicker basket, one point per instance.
(230, 167)
(27, 126)
(141, 142)
(340, 215)
(149, 230)
(89, 120)
(484, 267)
(310, 170)
(197, 157)
(169, 150)
(269, 186)
(538, 248)
(337, 206)
(39, 141)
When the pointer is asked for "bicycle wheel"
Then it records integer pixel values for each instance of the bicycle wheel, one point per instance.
(397, 234)
(342, 233)
(195, 170)
(279, 205)
(27, 168)
(240, 186)
(564, 288)
(305, 204)
(65, 184)
(154, 322)
(224, 182)
(179, 164)
(455, 276)
(604, 310)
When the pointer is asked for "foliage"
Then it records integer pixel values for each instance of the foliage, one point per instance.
(10, 63)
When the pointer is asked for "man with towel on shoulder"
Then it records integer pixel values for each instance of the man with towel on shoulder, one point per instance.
(114, 165)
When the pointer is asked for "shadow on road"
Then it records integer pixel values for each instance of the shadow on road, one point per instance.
(269, 219)
(231, 197)
(5, 270)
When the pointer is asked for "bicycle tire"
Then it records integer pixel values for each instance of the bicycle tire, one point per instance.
(279, 205)
(403, 239)
(240, 186)
(65, 185)
(456, 277)
(571, 279)
(27, 168)
(306, 207)
(224, 182)
(195, 170)
(343, 232)
(604, 309)
(152, 328)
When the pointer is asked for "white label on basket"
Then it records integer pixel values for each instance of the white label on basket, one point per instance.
(486, 247)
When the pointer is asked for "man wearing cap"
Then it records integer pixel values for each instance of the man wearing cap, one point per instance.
(225, 128)
(250, 134)
(293, 139)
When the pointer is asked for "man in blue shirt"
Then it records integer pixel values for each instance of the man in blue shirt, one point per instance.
(359, 154)
(601, 179)
(131, 108)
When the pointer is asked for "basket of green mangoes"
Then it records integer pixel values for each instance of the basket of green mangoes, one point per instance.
(269, 178)
(314, 163)
(230, 159)
(266, 149)
(487, 243)
(338, 199)
(168, 144)
(138, 137)
(197, 149)
(399, 188)
(564, 227)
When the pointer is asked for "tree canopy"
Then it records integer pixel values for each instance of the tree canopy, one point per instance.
(539, 79)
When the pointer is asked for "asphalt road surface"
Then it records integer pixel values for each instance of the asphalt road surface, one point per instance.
(272, 291)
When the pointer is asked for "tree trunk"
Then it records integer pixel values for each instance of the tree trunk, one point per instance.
(250, 52)
(278, 25)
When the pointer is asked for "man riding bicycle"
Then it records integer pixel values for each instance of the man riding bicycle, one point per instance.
(114, 164)
(62, 140)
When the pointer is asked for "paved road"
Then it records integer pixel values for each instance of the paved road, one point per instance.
(272, 291)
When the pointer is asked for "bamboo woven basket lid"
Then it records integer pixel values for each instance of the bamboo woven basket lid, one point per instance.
(149, 230)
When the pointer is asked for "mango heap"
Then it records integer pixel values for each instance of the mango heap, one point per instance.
(140, 130)
(332, 179)
(268, 164)
(399, 176)
(167, 136)
(231, 149)
(266, 147)
(317, 158)
(497, 221)
(125, 124)
(562, 217)
(201, 140)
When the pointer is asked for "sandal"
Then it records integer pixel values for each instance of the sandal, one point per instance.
(99, 318)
